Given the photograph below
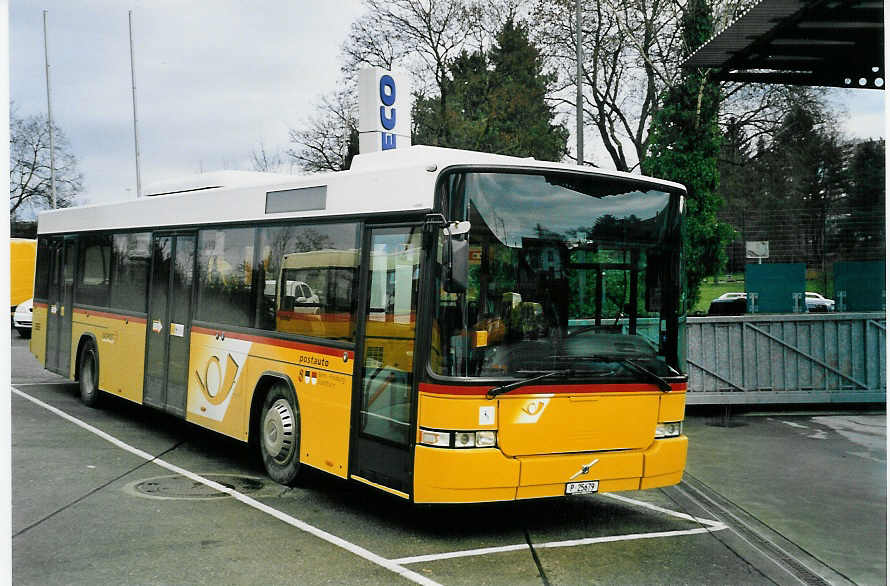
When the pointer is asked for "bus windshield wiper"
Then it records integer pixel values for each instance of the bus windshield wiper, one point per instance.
(495, 391)
(659, 381)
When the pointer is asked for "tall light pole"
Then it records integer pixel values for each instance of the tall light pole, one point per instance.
(579, 107)
(49, 117)
(135, 124)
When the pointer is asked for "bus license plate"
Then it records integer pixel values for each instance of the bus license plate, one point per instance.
(588, 487)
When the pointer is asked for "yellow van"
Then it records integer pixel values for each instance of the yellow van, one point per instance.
(22, 260)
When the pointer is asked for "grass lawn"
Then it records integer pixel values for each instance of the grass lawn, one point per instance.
(711, 290)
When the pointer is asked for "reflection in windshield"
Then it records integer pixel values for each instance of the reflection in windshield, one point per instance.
(567, 272)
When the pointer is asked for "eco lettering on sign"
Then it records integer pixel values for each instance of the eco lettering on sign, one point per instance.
(384, 111)
(387, 111)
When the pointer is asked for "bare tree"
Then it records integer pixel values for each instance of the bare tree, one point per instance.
(488, 18)
(759, 110)
(631, 53)
(420, 36)
(29, 167)
(328, 140)
(265, 160)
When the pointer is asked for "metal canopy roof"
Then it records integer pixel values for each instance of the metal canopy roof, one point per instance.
(801, 42)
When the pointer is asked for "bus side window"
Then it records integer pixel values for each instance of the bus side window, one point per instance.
(93, 280)
(225, 265)
(44, 260)
(131, 261)
(311, 272)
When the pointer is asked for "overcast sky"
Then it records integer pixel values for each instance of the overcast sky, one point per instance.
(214, 79)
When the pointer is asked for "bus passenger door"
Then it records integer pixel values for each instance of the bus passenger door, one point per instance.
(384, 400)
(60, 310)
(169, 322)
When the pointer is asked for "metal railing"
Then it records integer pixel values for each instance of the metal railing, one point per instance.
(797, 358)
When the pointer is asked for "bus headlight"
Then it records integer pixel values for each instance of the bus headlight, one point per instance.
(440, 439)
(458, 439)
(672, 429)
(486, 439)
(464, 439)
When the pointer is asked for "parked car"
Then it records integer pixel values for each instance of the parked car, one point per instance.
(299, 297)
(733, 303)
(817, 303)
(21, 319)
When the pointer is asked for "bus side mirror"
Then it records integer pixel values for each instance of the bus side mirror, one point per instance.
(456, 265)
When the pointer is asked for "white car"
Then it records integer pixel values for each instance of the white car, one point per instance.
(734, 295)
(21, 319)
(301, 297)
(815, 302)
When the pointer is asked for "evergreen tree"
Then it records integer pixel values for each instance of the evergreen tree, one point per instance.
(809, 180)
(684, 147)
(861, 229)
(496, 102)
(867, 176)
(736, 167)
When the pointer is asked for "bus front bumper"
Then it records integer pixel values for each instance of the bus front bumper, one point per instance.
(486, 475)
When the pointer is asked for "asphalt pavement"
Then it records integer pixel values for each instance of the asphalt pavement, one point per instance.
(126, 495)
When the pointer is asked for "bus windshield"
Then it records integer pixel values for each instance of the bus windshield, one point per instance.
(568, 273)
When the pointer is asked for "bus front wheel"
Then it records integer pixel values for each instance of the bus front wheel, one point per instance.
(89, 375)
(280, 434)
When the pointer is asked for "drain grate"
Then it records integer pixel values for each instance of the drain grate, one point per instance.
(182, 488)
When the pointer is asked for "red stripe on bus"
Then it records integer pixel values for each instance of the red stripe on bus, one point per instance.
(579, 389)
(315, 317)
(40, 304)
(277, 342)
(89, 312)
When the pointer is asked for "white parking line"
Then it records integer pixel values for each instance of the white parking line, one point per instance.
(552, 544)
(670, 512)
(711, 526)
(302, 525)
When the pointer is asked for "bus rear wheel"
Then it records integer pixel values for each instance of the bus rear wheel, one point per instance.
(89, 375)
(279, 434)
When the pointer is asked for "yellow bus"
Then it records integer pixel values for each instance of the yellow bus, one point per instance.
(445, 326)
(22, 257)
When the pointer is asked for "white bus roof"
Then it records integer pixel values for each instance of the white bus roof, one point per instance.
(402, 180)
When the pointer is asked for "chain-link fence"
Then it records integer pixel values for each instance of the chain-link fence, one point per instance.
(818, 239)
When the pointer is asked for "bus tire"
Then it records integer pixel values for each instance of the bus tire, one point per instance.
(89, 375)
(279, 434)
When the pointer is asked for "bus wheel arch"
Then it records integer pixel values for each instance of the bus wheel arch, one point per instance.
(275, 427)
(87, 370)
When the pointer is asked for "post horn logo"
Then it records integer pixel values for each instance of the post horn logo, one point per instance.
(534, 407)
(213, 384)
